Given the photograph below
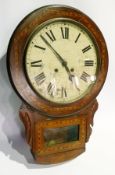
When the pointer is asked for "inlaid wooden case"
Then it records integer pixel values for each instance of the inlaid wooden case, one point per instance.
(57, 108)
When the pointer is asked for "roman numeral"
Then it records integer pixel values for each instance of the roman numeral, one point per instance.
(63, 92)
(86, 49)
(89, 63)
(85, 77)
(51, 89)
(65, 32)
(77, 37)
(36, 63)
(51, 35)
(39, 47)
(40, 78)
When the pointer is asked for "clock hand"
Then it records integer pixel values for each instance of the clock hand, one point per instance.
(73, 78)
(64, 63)
(75, 81)
(69, 73)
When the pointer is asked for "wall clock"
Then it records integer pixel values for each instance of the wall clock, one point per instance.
(57, 62)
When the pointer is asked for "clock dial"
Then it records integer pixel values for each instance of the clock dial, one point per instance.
(61, 61)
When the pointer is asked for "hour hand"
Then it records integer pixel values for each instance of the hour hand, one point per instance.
(75, 81)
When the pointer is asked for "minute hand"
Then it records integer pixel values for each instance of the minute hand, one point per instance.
(63, 62)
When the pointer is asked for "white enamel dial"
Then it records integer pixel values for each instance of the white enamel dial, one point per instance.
(61, 61)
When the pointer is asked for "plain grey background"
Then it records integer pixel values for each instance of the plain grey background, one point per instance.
(15, 157)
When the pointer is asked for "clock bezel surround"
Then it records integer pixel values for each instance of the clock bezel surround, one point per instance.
(37, 30)
(15, 58)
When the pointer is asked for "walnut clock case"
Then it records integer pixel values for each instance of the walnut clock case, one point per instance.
(57, 62)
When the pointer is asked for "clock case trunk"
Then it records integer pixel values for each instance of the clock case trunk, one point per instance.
(35, 124)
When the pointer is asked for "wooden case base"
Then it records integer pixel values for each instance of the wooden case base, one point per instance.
(35, 124)
(59, 157)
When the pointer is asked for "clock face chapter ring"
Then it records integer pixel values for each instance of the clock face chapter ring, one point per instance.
(48, 79)
(41, 60)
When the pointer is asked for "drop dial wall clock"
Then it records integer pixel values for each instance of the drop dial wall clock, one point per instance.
(57, 62)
